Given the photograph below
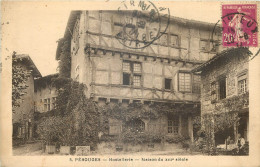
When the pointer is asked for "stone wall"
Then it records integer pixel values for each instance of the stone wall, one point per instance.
(231, 66)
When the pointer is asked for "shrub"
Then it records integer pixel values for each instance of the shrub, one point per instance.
(140, 137)
(55, 129)
(174, 139)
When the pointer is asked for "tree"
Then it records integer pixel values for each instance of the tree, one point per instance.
(19, 79)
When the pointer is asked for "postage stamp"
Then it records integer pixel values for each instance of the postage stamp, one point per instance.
(239, 25)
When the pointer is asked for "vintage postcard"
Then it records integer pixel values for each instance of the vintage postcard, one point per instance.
(130, 83)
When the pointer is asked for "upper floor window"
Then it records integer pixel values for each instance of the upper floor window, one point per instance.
(184, 82)
(204, 45)
(242, 84)
(164, 39)
(174, 40)
(132, 73)
(196, 84)
(47, 104)
(218, 89)
(167, 83)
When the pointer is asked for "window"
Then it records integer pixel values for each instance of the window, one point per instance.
(164, 39)
(242, 84)
(126, 67)
(203, 44)
(137, 80)
(173, 125)
(196, 84)
(126, 79)
(174, 40)
(137, 68)
(184, 82)
(132, 73)
(222, 88)
(47, 104)
(136, 125)
(167, 83)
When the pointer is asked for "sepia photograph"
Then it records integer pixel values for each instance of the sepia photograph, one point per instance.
(141, 81)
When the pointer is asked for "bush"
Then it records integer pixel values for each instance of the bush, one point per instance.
(174, 139)
(139, 137)
(55, 129)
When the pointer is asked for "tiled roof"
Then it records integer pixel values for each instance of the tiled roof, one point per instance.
(219, 55)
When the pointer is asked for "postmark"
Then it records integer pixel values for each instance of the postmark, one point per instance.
(239, 25)
(143, 23)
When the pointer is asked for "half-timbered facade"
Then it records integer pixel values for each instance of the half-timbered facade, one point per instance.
(159, 73)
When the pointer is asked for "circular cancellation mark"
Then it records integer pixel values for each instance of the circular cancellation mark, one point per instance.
(142, 23)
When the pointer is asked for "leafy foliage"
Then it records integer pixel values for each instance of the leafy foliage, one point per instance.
(65, 60)
(139, 138)
(56, 128)
(74, 113)
(216, 123)
(20, 77)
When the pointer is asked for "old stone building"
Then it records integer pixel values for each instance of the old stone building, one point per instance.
(45, 93)
(224, 94)
(23, 116)
(117, 73)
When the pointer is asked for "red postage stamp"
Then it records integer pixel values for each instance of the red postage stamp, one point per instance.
(239, 25)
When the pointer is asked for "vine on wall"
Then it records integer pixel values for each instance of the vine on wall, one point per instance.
(72, 103)
(65, 59)
(214, 123)
(19, 81)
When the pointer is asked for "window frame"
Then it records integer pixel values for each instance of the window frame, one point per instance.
(190, 83)
(173, 125)
(196, 85)
(206, 46)
(177, 40)
(170, 88)
(132, 73)
(242, 77)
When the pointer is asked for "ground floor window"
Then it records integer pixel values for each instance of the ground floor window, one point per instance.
(136, 125)
(173, 125)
